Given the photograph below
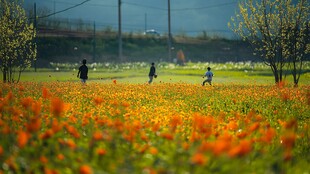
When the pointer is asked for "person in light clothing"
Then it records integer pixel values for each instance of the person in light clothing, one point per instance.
(209, 76)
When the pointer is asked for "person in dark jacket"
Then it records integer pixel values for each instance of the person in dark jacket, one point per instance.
(152, 73)
(83, 72)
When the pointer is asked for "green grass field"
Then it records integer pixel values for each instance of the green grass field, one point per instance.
(165, 76)
(137, 73)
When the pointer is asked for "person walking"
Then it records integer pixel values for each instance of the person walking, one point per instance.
(83, 72)
(152, 73)
(209, 76)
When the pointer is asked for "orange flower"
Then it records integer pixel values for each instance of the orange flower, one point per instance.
(243, 148)
(167, 136)
(43, 159)
(291, 124)
(143, 136)
(1, 150)
(71, 144)
(118, 124)
(232, 125)
(45, 93)
(221, 146)
(22, 138)
(285, 96)
(287, 155)
(242, 134)
(175, 121)
(194, 136)
(47, 134)
(114, 81)
(97, 135)
(11, 163)
(57, 106)
(9, 96)
(144, 148)
(6, 129)
(98, 100)
(60, 157)
(281, 84)
(153, 150)
(258, 118)
(129, 136)
(136, 125)
(254, 127)
(50, 171)
(308, 97)
(206, 146)
(56, 126)
(36, 108)
(288, 140)
(34, 125)
(21, 88)
(268, 135)
(199, 159)
(125, 104)
(155, 127)
(26, 102)
(101, 152)
(73, 131)
(85, 169)
(185, 146)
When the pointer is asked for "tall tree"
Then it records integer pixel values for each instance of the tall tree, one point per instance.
(267, 26)
(297, 37)
(17, 46)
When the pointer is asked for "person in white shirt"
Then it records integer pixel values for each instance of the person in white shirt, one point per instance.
(209, 76)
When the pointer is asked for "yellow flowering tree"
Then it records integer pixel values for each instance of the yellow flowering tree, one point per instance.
(278, 31)
(17, 46)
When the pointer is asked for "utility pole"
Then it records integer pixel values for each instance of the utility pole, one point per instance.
(35, 31)
(94, 42)
(169, 33)
(145, 22)
(120, 45)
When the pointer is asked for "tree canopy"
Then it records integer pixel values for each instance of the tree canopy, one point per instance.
(17, 46)
(278, 31)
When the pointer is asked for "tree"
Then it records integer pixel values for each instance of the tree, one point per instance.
(268, 24)
(17, 46)
(297, 37)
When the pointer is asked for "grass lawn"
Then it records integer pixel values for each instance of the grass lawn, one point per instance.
(137, 73)
(166, 76)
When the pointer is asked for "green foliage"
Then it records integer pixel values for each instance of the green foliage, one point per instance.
(277, 30)
(17, 47)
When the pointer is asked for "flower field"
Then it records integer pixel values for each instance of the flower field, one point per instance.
(66, 127)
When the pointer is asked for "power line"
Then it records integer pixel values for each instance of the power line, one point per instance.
(40, 17)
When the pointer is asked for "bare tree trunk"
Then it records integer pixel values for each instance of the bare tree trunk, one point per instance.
(275, 72)
(4, 76)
